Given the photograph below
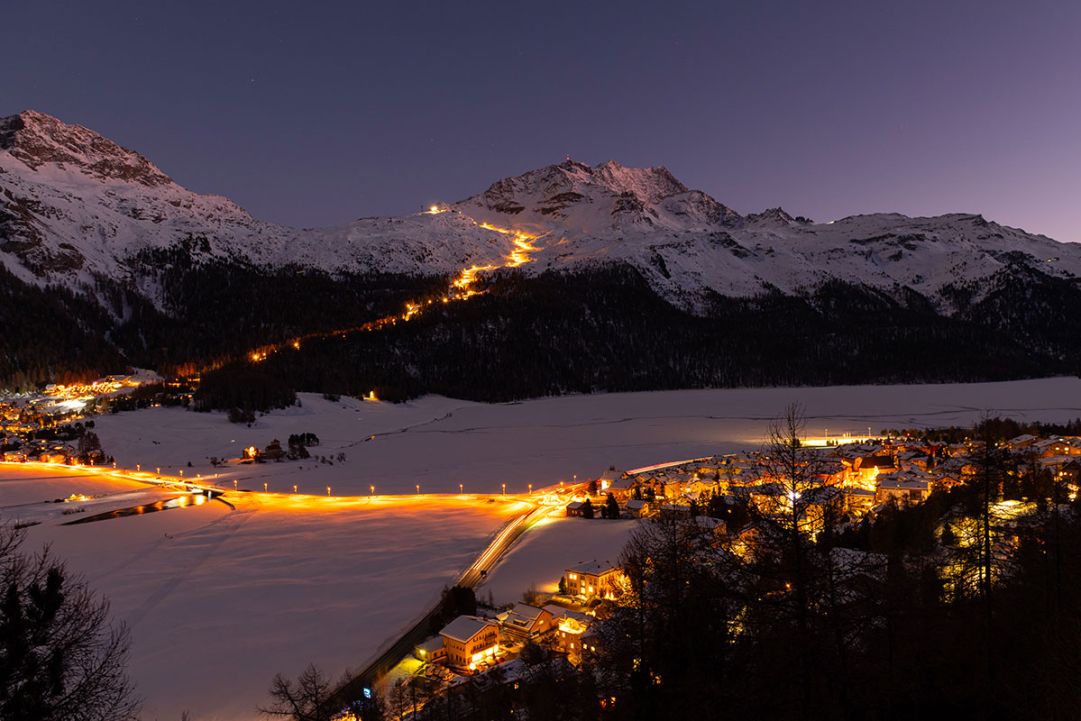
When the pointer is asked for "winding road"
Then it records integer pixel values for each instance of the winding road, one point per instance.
(504, 539)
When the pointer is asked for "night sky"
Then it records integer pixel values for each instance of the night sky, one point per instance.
(315, 113)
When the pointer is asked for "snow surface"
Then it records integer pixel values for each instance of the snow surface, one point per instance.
(80, 204)
(220, 600)
(440, 442)
(550, 548)
(83, 205)
(24, 488)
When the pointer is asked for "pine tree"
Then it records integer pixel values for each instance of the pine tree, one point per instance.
(59, 657)
(612, 506)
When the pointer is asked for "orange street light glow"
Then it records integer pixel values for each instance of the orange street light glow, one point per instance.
(462, 287)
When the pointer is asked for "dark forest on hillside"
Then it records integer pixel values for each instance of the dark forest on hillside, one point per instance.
(607, 331)
(527, 336)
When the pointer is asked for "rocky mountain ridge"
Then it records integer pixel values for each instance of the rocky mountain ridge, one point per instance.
(75, 205)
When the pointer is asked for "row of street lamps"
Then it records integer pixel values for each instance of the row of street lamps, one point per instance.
(371, 488)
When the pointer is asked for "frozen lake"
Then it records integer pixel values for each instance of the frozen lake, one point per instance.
(440, 442)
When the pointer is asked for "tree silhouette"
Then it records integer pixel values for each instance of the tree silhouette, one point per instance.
(60, 658)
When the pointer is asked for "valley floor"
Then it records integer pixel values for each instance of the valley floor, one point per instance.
(220, 599)
(440, 442)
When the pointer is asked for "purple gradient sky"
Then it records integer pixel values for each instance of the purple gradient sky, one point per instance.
(315, 113)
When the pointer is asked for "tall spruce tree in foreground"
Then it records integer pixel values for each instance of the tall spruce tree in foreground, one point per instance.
(60, 658)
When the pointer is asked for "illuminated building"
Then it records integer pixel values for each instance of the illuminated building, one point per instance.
(593, 580)
(470, 642)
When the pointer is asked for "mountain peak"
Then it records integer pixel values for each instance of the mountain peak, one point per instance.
(776, 217)
(649, 185)
(598, 200)
(37, 138)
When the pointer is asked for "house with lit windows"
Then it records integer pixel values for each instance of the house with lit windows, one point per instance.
(431, 651)
(574, 635)
(907, 487)
(470, 642)
(525, 622)
(593, 579)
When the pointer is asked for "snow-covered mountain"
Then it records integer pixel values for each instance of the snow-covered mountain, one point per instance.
(75, 206)
(687, 243)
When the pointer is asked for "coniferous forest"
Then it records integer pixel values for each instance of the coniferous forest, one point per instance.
(526, 336)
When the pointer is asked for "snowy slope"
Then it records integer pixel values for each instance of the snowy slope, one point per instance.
(686, 242)
(74, 205)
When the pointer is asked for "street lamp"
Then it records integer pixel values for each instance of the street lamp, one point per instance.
(138, 467)
(371, 491)
(418, 489)
(294, 488)
(531, 489)
(461, 489)
(264, 486)
(234, 484)
(328, 490)
(504, 489)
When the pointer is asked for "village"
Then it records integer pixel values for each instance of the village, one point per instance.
(725, 497)
(837, 485)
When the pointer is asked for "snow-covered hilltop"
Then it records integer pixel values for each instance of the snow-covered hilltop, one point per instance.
(686, 243)
(75, 206)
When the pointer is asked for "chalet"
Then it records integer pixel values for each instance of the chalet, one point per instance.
(858, 500)
(636, 508)
(831, 470)
(1054, 463)
(621, 487)
(883, 464)
(907, 487)
(14, 457)
(1024, 440)
(675, 510)
(578, 641)
(524, 622)
(572, 632)
(609, 479)
(53, 455)
(914, 458)
(1069, 472)
(273, 451)
(593, 579)
(431, 651)
(470, 641)
(577, 509)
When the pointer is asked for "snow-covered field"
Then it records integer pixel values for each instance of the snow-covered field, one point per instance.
(550, 548)
(219, 600)
(23, 488)
(440, 442)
